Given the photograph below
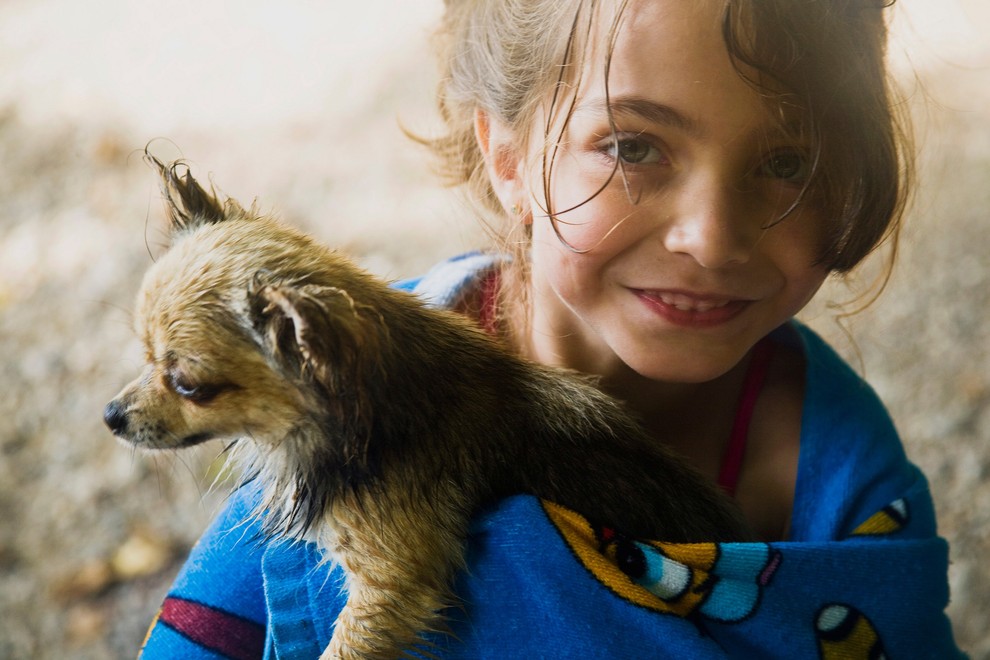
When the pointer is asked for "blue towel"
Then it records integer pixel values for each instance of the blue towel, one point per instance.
(544, 583)
(863, 574)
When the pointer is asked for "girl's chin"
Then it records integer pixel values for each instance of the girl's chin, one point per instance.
(681, 366)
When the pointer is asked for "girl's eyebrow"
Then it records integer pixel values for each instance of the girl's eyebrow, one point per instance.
(656, 113)
(665, 115)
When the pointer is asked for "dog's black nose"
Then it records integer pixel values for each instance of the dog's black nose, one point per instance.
(115, 417)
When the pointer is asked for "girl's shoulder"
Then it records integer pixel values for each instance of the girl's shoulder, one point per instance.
(852, 461)
(446, 283)
(835, 396)
(839, 403)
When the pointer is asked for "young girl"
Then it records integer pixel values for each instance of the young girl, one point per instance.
(675, 180)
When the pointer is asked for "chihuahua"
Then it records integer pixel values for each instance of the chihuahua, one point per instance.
(376, 425)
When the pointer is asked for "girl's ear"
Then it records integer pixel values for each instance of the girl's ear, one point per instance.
(504, 164)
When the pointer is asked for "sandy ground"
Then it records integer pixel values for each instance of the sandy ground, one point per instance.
(299, 107)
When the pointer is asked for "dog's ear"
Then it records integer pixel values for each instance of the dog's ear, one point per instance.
(187, 204)
(321, 334)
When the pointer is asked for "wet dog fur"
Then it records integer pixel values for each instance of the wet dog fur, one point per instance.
(376, 426)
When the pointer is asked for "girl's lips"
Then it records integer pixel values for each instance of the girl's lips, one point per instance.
(689, 309)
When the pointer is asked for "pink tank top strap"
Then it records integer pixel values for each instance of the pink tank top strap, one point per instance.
(732, 460)
(488, 311)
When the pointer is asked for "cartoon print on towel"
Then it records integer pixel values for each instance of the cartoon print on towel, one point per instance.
(718, 581)
(844, 632)
(891, 519)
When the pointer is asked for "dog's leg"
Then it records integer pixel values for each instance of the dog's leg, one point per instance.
(401, 559)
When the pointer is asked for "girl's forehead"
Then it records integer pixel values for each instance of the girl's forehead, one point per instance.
(653, 39)
(678, 19)
(666, 62)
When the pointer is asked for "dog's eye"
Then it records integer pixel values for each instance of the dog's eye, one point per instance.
(197, 393)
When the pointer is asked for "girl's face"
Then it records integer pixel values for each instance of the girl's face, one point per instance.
(681, 265)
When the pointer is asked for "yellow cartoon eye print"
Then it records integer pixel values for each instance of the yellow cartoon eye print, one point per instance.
(845, 633)
(889, 520)
(718, 581)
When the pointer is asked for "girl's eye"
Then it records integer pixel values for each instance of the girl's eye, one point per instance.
(790, 166)
(634, 151)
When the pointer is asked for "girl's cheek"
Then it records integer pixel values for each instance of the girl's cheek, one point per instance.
(579, 235)
(585, 211)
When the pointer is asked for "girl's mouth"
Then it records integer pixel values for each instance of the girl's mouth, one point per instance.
(686, 303)
(691, 309)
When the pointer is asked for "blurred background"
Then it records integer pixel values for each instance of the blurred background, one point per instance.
(299, 105)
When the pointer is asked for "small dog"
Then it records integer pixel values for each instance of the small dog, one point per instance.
(375, 425)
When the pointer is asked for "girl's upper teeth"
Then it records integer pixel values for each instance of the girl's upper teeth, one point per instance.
(688, 304)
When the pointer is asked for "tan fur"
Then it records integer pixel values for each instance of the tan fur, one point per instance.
(376, 426)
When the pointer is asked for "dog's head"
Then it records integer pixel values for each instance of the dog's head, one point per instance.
(249, 330)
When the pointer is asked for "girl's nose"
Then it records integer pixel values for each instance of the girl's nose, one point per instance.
(710, 224)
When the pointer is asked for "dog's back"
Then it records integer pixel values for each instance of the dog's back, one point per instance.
(501, 425)
(379, 426)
